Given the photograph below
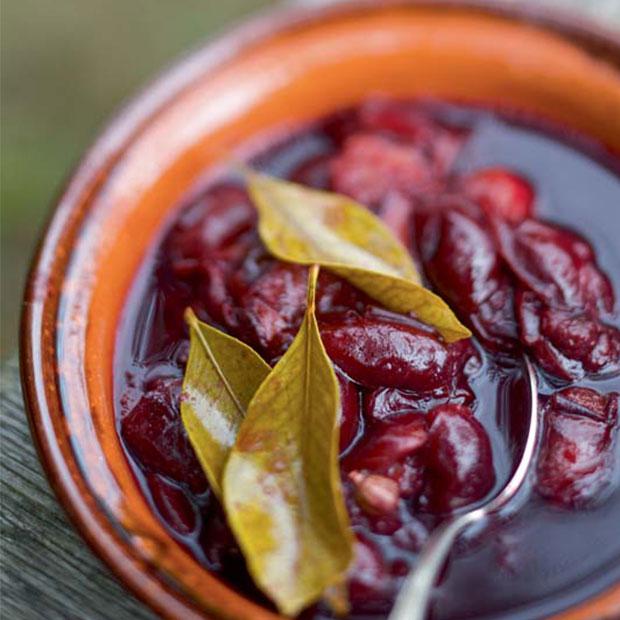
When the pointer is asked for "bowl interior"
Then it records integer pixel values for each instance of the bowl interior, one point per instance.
(263, 79)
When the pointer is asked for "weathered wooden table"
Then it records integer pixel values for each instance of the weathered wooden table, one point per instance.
(46, 570)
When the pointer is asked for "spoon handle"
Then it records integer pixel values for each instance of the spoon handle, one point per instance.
(413, 599)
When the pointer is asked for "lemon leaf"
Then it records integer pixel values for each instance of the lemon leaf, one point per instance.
(322, 227)
(221, 376)
(282, 489)
(307, 226)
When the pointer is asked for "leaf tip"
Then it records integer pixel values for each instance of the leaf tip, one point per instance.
(460, 333)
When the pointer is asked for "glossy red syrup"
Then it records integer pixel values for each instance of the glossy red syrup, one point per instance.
(516, 226)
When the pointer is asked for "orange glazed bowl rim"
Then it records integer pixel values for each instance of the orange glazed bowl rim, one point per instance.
(66, 357)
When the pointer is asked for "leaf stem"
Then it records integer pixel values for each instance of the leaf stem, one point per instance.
(312, 281)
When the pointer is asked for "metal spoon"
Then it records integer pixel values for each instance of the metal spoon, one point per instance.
(414, 597)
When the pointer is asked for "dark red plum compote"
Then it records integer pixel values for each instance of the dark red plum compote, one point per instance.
(515, 223)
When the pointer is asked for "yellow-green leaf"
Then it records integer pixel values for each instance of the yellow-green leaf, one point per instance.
(221, 376)
(282, 490)
(316, 227)
(404, 296)
(306, 226)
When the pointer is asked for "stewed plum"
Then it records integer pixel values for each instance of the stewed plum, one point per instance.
(556, 264)
(384, 403)
(173, 504)
(214, 221)
(153, 432)
(272, 307)
(500, 193)
(369, 583)
(371, 167)
(567, 344)
(562, 300)
(426, 427)
(378, 352)
(460, 258)
(577, 458)
(393, 448)
(460, 461)
(439, 141)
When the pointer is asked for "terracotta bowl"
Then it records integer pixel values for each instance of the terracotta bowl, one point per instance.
(275, 70)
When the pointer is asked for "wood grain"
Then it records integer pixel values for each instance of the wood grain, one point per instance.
(46, 570)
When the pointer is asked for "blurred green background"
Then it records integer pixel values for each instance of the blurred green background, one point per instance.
(66, 66)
